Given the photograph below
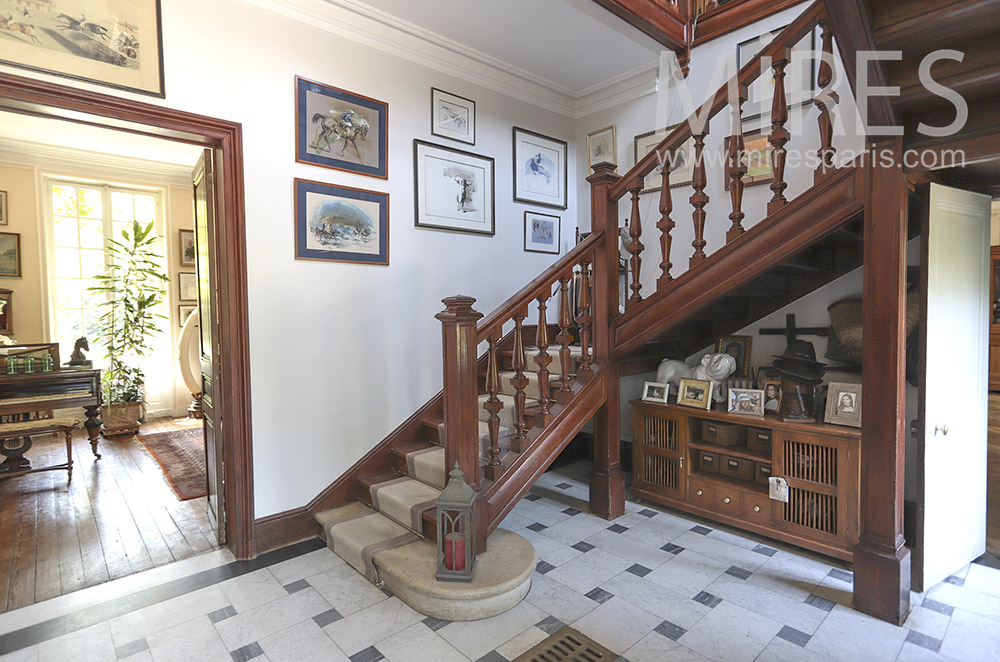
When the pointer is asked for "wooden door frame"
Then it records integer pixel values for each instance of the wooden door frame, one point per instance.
(50, 100)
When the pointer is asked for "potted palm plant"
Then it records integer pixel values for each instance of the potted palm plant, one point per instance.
(133, 285)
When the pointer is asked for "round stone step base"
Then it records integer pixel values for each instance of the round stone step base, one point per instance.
(502, 579)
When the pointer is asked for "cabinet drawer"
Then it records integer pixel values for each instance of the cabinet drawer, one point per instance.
(762, 471)
(724, 434)
(736, 467)
(700, 493)
(727, 499)
(707, 462)
(756, 508)
(759, 439)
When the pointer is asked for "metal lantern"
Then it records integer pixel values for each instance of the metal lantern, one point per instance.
(456, 526)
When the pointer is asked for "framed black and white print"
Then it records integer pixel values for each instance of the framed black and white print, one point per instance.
(681, 164)
(541, 232)
(341, 224)
(453, 116)
(800, 74)
(453, 189)
(539, 169)
(187, 286)
(342, 130)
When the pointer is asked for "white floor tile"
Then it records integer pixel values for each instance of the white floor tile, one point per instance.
(515, 522)
(658, 531)
(731, 634)
(688, 574)
(721, 550)
(29, 654)
(971, 638)
(522, 643)
(587, 571)
(149, 620)
(840, 592)
(304, 566)
(142, 656)
(418, 644)
(667, 604)
(477, 638)
(252, 590)
(557, 599)
(780, 650)
(967, 599)
(654, 647)
(370, 626)
(790, 575)
(631, 551)
(743, 539)
(93, 644)
(849, 635)
(537, 513)
(549, 550)
(194, 641)
(573, 530)
(346, 589)
(927, 622)
(983, 579)
(617, 624)
(913, 653)
(270, 618)
(300, 643)
(798, 615)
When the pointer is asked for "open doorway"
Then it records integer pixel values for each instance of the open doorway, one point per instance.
(136, 523)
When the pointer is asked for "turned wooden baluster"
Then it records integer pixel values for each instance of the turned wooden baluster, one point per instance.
(635, 246)
(542, 359)
(493, 405)
(736, 168)
(824, 79)
(564, 339)
(699, 198)
(519, 381)
(584, 318)
(779, 136)
(665, 225)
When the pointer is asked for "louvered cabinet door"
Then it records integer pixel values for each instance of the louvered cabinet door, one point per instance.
(659, 450)
(822, 486)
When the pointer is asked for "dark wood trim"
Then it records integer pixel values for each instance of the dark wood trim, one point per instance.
(655, 18)
(933, 23)
(284, 529)
(917, 544)
(607, 481)
(881, 561)
(44, 99)
(728, 18)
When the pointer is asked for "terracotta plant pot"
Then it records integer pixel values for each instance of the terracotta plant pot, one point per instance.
(121, 418)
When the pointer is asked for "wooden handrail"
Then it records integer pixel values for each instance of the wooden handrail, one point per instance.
(749, 73)
(564, 266)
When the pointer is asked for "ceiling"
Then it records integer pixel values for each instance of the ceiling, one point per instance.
(573, 44)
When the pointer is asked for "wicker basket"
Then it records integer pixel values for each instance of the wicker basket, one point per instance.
(847, 316)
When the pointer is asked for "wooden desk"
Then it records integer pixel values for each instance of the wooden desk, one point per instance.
(61, 389)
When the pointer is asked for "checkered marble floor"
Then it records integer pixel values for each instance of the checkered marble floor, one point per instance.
(652, 586)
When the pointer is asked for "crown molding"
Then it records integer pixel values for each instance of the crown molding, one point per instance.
(382, 31)
(92, 164)
(625, 87)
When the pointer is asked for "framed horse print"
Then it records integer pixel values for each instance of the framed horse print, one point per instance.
(342, 130)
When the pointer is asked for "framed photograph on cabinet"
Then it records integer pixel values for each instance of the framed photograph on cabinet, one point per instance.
(655, 392)
(454, 189)
(539, 169)
(3, 207)
(843, 404)
(695, 393)
(453, 116)
(183, 311)
(739, 348)
(681, 162)
(341, 130)
(772, 394)
(756, 157)
(341, 224)
(541, 232)
(6, 312)
(116, 43)
(746, 401)
(187, 247)
(187, 286)
(602, 146)
(800, 74)
(10, 254)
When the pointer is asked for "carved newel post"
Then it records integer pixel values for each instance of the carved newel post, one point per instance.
(456, 526)
(461, 385)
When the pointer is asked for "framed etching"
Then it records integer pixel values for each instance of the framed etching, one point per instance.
(183, 311)
(117, 43)
(187, 247)
(681, 164)
(341, 130)
(187, 286)
(453, 116)
(602, 146)
(541, 232)
(453, 189)
(539, 169)
(341, 224)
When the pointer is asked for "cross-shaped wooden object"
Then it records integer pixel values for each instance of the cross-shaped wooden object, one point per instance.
(791, 331)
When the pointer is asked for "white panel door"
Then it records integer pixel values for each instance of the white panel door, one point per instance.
(956, 371)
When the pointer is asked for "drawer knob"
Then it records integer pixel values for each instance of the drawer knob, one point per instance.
(726, 500)
(699, 492)
(756, 509)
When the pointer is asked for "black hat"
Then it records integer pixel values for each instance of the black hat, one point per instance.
(803, 377)
(800, 353)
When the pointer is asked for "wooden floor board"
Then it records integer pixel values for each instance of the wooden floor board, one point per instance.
(993, 478)
(116, 517)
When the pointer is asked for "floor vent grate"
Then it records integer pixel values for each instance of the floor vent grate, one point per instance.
(568, 645)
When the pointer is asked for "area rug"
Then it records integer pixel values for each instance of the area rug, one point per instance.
(181, 455)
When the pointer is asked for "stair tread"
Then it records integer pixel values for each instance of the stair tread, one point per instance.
(404, 500)
(427, 465)
(356, 533)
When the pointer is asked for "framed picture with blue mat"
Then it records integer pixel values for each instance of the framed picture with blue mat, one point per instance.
(341, 224)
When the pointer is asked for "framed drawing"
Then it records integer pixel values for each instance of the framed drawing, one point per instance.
(187, 286)
(739, 348)
(454, 189)
(541, 232)
(188, 250)
(681, 164)
(341, 224)
(843, 404)
(695, 393)
(117, 43)
(342, 130)
(655, 392)
(800, 74)
(183, 311)
(756, 157)
(6, 312)
(453, 116)
(746, 401)
(3, 207)
(602, 146)
(539, 169)
(10, 254)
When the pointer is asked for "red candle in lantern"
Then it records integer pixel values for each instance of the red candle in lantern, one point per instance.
(454, 551)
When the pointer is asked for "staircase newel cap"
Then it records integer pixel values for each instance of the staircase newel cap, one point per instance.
(604, 172)
(457, 491)
(459, 307)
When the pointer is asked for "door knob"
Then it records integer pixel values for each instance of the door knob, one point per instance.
(943, 429)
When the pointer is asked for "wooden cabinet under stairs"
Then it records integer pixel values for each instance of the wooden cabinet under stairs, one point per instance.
(716, 465)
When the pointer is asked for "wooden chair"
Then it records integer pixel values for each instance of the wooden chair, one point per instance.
(16, 440)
